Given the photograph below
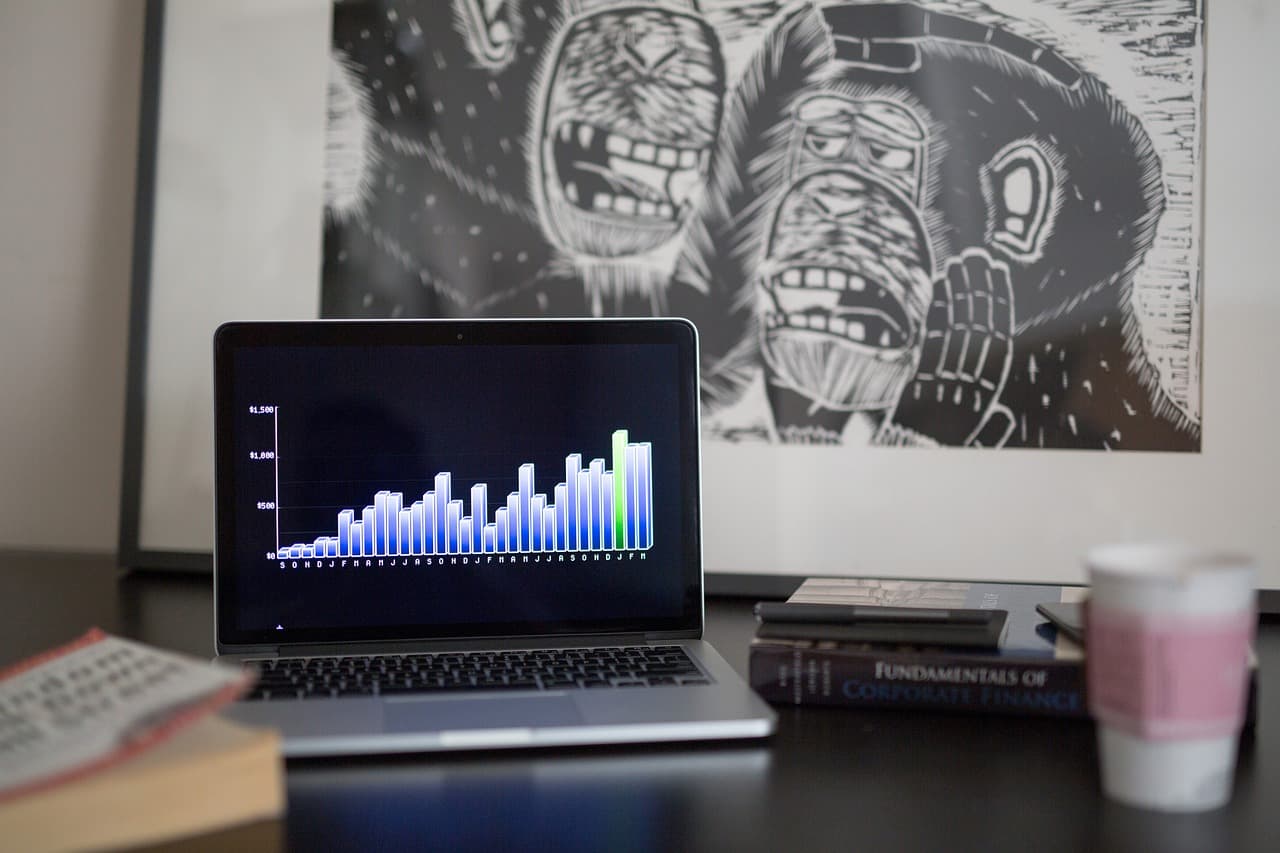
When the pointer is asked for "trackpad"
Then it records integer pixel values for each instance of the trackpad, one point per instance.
(442, 713)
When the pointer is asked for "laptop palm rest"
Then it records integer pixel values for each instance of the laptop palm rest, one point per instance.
(445, 713)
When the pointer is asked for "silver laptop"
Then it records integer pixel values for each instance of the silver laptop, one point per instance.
(439, 535)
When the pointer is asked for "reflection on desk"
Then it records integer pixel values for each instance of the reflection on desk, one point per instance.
(617, 800)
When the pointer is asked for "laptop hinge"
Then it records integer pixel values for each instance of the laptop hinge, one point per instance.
(408, 647)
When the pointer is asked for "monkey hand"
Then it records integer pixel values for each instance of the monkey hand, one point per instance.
(954, 397)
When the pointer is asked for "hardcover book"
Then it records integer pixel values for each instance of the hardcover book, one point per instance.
(1036, 670)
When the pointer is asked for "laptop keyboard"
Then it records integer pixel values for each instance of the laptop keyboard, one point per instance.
(541, 669)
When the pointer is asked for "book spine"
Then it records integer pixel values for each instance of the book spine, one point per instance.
(799, 674)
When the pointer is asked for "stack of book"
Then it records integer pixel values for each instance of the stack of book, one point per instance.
(1032, 667)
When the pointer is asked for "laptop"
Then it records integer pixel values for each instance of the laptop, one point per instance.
(438, 535)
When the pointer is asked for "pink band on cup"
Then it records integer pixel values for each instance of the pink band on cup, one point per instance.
(1168, 675)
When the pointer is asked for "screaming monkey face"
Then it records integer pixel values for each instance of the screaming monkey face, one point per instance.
(631, 111)
(844, 289)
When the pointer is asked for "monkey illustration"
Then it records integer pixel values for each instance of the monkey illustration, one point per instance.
(932, 224)
(898, 223)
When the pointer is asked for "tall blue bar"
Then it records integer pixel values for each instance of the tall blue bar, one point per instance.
(606, 496)
(430, 542)
(572, 466)
(631, 495)
(645, 497)
(453, 514)
(357, 538)
(416, 522)
(404, 542)
(395, 502)
(584, 511)
(370, 526)
(597, 503)
(479, 514)
(443, 482)
(380, 521)
(500, 529)
(537, 504)
(562, 516)
(526, 495)
(344, 531)
(513, 521)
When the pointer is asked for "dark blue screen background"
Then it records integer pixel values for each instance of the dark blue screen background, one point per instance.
(353, 420)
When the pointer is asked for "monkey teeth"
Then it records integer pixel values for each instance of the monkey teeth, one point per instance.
(607, 172)
(625, 204)
(832, 279)
(842, 327)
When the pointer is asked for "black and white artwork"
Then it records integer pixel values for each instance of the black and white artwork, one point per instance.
(960, 223)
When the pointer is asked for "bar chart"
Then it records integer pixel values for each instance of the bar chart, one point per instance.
(594, 507)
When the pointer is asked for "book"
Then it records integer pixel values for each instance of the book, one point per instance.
(106, 742)
(211, 774)
(1036, 670)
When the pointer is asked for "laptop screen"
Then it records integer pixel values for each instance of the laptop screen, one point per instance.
(455, 479)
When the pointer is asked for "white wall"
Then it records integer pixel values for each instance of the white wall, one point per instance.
(69, 84)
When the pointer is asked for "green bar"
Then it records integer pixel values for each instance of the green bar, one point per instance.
(619, 490)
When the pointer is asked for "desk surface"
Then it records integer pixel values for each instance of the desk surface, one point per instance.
(829, 779)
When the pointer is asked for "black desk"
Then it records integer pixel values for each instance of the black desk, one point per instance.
(830, 779)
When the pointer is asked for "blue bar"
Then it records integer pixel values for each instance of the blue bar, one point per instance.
(479, 514)
(645, 497)
(442, 501)
(345, 518)
(490, 537)
(513, 522)
(631, 496)
(306, 550)
(549, 529)
(525, 478)
(500, 530)
(416, 521)
(380, 521)
(597, 503)
(357, 538)
(429, 538)
(537, 504)
(572, 465)
(404, 540)
(584, 511)
(465, 535)
(370, 527)
(395, 502)
(453, 514)
(606, 494)
(562, 517)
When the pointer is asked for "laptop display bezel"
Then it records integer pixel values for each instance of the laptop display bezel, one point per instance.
(231, 637)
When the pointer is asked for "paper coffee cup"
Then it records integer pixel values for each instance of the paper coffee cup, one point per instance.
(1168, 632)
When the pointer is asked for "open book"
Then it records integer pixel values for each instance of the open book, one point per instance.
(106, 742)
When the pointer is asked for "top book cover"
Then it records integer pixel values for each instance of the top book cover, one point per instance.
(1027, 634)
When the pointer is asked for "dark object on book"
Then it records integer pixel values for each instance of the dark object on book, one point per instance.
(928, 626)
(1066, 616)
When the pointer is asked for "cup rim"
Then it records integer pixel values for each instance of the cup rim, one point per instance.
(1164, 560)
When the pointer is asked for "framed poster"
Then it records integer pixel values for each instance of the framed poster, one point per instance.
(947, 259)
